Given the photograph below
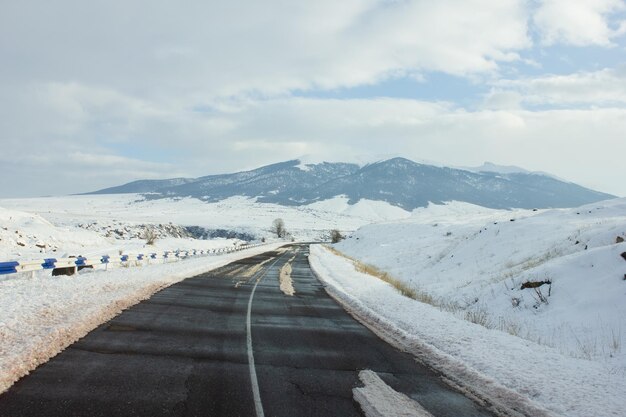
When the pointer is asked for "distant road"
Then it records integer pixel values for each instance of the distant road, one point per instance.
(229, 343)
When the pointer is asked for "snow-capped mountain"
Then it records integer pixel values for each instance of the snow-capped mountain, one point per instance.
(398, 181)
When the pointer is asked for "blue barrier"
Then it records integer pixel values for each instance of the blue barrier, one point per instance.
(13, 267)
(8, 267)
(48, 263)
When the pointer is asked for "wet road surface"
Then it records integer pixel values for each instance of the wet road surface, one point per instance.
(206, 347)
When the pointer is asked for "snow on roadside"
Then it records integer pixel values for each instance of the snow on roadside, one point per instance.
(474, 261)
(515, 374)
(41, 316)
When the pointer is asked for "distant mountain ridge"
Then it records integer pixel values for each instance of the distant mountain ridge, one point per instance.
(398, 181)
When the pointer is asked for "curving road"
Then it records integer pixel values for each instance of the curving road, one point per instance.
(229, 343)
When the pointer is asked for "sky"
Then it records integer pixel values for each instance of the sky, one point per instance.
(99, 93)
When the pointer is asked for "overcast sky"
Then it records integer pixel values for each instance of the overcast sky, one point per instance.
(99, 93)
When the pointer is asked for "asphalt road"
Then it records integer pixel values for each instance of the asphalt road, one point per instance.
(228, 343)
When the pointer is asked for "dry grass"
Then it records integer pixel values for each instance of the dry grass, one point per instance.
(479, 316)
(403, 288)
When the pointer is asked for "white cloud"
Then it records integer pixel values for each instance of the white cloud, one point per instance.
(579, 22)
(266, 131)
(606, 87)
(92, 92)
(205, 49)
(498, 99)
(585, 146)
(48, 171)
(592, 140)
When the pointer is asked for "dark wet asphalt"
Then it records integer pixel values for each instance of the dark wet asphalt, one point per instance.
(183, 353)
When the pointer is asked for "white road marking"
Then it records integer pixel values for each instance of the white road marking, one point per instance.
(258, 405)
(378, 399)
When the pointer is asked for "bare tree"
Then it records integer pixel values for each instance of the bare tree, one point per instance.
(278, 227)
(336, 236)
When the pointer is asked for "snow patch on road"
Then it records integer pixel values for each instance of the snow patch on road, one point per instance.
(286, 283)
(378, 399)
(254, 269)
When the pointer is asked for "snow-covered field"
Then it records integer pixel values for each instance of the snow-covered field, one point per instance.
(50, 225)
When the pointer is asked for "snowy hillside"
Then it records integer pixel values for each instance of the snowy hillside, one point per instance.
(97, 224)
(473, 262)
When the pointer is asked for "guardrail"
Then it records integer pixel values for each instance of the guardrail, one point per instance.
(79, 262)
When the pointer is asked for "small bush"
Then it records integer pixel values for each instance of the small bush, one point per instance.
(150, 236)
(336, 236)
(540, 298)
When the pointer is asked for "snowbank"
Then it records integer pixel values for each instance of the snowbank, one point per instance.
(41, 316)
(513, 373)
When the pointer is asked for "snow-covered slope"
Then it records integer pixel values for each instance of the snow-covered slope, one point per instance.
(474, 261)
(30, 235)
(515, 376)
(90, 224)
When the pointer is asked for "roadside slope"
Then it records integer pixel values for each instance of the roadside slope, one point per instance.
(516, 374)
